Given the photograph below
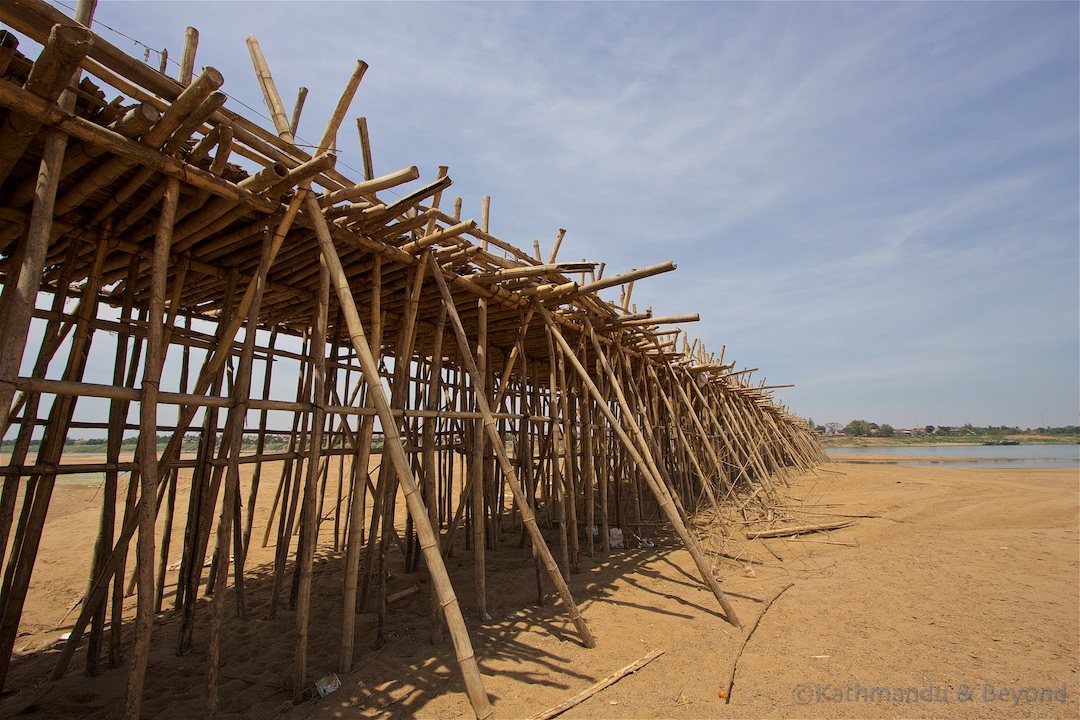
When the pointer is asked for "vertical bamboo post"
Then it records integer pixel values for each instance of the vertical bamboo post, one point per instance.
(527, 469)
(557, 444)
(359, 493)
(25, 544)
(428, 444)
(148, 459)
(117, 413)
(289, 504)
(588, 469)
(187, 59)
(118, 559)
(306, 554)
(476, 468)
(73, 43)
(399, 397)
(260, 444)
(569, 473)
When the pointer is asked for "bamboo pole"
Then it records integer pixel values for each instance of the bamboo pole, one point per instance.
(130, 151)
(23, 553)
(625, 278)
(370, 186)
(392, 443)
(290, 486)
(588, 468)
(477, 475)
(28, 402)
(148, 460)
(605, 459)
(67, 45)
(528, 471)
(569, 473)
(428, 444)
(597, 687)
(301, 97)
(257, 474)
(399, 396)
(310, 522)
(187, 59)
(18, 298)
(117, 414)
(356, 521)
(702, 433)
(365, 147)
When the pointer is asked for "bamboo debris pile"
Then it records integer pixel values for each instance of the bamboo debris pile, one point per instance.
(130, 229)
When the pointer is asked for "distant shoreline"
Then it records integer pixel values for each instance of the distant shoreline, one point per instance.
(937, 441)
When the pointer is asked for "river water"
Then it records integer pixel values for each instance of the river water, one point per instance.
(1031, 456)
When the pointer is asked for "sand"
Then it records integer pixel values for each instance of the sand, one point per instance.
(956, 594)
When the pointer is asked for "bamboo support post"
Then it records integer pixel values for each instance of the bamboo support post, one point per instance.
(148, 460)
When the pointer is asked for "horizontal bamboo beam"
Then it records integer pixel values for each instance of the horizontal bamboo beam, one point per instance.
(18, 99)
(663, 320)
(529, 271)
(370, 187)
(627, 277)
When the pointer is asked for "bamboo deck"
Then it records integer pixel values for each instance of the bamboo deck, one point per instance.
(144, 222)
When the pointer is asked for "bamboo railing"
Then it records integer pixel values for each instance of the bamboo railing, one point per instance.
(242, 288)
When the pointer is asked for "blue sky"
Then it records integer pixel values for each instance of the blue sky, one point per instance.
(878, 202)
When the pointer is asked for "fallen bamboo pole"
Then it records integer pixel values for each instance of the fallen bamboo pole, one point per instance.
(597, 687)
(735, 663)
(798, 530)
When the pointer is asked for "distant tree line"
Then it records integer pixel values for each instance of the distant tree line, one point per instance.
(864, 428)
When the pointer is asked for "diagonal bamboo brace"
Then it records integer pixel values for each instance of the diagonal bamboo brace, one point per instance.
(393, 446)
(527, 515)
(645, 463)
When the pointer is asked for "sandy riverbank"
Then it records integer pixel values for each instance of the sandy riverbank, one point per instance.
(953, 580)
